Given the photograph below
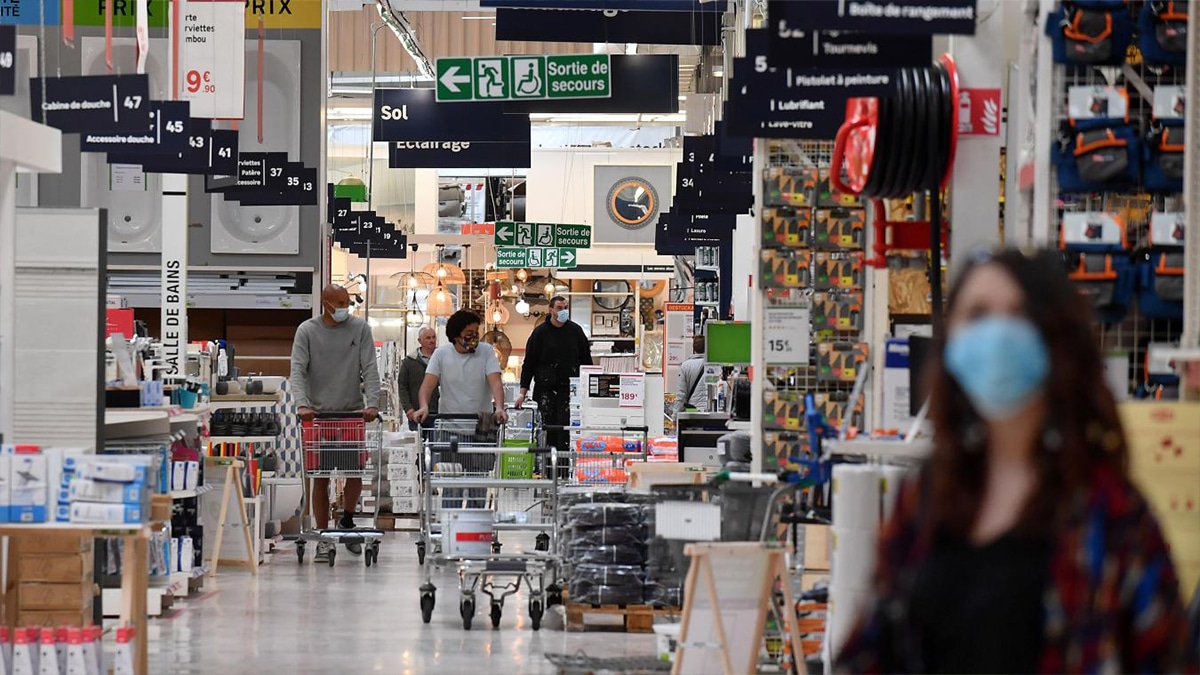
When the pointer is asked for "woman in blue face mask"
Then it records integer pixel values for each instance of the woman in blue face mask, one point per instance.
(1021, 546)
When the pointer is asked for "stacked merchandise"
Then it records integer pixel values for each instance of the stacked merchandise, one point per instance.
(857, 506)
(400, 450)
(607, 548)
(55, 580)
(62, 651)
(106, 489)
(24, 479)
(666, 570)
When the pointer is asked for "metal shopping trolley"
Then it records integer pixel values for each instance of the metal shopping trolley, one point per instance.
(341, 445)
(475, 485)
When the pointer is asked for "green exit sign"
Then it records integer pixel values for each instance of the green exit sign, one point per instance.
(524, 78)
(546, 235)
(509, 257)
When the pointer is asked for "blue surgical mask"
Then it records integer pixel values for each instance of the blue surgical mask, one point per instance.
(1001, 363)
(562, 316)
(340, 314)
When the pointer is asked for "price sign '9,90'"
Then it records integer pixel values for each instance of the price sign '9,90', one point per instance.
(212, 57)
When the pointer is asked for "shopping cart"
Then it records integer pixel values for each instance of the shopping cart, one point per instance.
(338, 446)
(476, 485)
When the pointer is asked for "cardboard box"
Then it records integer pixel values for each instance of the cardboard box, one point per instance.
(94, 512)
(816, 548)
(403, 489)
(28, 486)
(40, 543)
(402, 455)
(88, 490)
(57, 597)
(643, 476)
(110, 469)
(58, 568)
(401, 472)
(405, 505)
(54, 619)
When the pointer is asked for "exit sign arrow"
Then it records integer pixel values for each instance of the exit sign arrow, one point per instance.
(566, 257)
(451, 79)
(504, 234)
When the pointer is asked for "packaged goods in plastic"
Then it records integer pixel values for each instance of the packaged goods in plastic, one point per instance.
(607, 444)
(606, 536)
(663, 593)
(601, 470)
(612, 554)
(599, 594)
(604, 515)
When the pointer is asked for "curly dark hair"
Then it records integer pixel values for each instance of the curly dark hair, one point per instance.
(1081, 411)
(459, 321)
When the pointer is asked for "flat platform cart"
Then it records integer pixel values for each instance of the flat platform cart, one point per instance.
(341, 445)
(474, 487)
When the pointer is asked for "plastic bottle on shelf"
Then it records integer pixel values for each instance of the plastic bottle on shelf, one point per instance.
(5, 650)
(222, 364)
(123, 661)
(76, 660)
(24, 659)
(93, 651)
(48, 654)
(60, 639)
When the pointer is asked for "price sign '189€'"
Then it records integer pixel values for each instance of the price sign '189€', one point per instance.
(212, 57)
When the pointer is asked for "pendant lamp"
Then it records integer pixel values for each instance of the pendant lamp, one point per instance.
(446, 274)
(440, 301)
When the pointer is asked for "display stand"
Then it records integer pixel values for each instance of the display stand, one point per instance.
(728, 591)
(232, 483)
(133, 579)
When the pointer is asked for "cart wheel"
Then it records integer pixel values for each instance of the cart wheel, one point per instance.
(496, 547)
(535, 614)
(427, 600)
(542, 542)
(300, 553)
(420, 553)
(497, 610)
(466, 608)
(374, 550)
(332, 556)
(367, 557)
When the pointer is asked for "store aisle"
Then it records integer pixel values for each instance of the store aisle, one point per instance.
(315, 620)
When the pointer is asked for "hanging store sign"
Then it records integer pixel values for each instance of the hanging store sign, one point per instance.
(174, 319)
(664, 28)
(508, 257)
(284, 13)
(166, 134)
(415, 115)
(641, 83)
(616, 5)
(209, 151)
(124, 12)
(29, 12)
(92, 103)
(8, 60)
(846, 49)
(552, 235)
(528, 78)
(921, 17)
(458, 155)
(212, 69)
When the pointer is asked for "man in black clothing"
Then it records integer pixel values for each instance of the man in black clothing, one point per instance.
(553, 355)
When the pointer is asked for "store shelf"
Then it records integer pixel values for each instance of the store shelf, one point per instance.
(188, 494)
(707, 268)
(488, 482)
(133, 423)
(919, 448)
(242, 439)
(224, 301)
(73, 529)
(236, 402)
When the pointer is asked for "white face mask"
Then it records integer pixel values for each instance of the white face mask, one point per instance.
(340, 314)
(563, 316)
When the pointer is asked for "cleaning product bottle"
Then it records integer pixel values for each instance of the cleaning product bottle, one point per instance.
(47, 654)
(60, 647)
(24, 655)
(76, 660)
(222, 364)
(123, 661)
(93, 651)
(5, 651)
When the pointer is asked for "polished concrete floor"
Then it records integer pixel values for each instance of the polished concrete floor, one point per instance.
(313, 619)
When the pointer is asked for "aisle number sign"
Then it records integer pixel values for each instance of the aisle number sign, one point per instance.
(508, 257)
(558, 235)
(212, 70)
(524, 78)
(786, 335)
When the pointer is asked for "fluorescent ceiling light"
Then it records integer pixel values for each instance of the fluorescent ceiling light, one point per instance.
(718, 72)
(348, 114)
(600, 118)
(682, 97)
(479, 18)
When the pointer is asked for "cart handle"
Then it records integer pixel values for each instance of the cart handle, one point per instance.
(339, 415)
(456, 416)
(563, 427)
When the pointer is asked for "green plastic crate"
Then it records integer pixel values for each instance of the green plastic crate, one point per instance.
(516, 465)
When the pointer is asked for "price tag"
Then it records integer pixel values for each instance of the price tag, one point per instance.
(786, 336)
(632, 391)
(212, 57)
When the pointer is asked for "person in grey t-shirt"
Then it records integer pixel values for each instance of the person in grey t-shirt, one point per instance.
(333, 360)
(467, 374)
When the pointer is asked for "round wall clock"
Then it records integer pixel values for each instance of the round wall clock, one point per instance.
(632, 202)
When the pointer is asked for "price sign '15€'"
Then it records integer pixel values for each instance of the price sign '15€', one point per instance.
(212, 57)
(786, 336)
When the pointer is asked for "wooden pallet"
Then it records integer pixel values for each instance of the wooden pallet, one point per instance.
(634, 618)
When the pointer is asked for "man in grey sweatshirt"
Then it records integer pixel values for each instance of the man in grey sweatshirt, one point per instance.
(333, 361)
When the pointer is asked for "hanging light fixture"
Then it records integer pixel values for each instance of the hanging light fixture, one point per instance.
(522, 275)
(497, 314)
(414, 316)
(553, 287)
(522, 307)
(446, 274)
(440, 301)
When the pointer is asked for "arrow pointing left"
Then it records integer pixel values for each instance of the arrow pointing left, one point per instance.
(451, 79)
